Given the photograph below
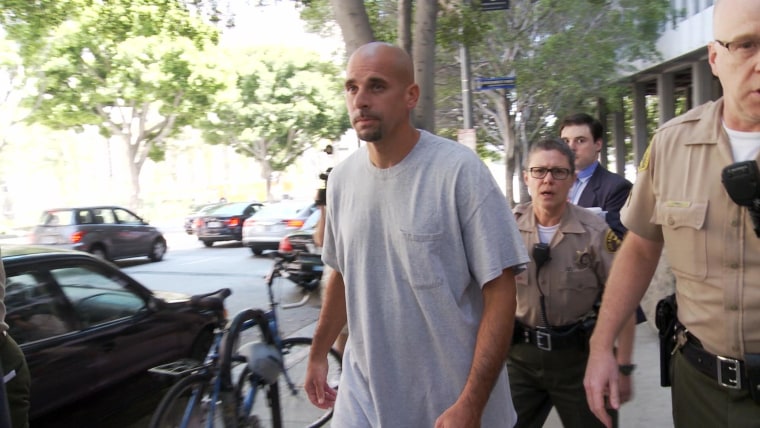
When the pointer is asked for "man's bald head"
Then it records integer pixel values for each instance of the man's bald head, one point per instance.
(729, 14)
(386, 56)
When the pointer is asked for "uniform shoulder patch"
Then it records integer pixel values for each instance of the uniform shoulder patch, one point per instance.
(611, 241)
(644, 164)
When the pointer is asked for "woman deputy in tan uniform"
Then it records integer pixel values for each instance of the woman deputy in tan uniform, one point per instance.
(571, 252)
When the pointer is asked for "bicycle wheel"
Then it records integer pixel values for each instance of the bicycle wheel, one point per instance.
(292, 404)
(187, 404)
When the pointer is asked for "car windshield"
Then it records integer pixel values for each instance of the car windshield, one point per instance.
(234, 208)
(282, 210)
(57, 218)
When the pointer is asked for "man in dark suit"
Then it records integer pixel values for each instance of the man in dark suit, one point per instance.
(595, 186)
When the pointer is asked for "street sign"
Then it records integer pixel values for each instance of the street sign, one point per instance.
(488, 83)
(488, 5)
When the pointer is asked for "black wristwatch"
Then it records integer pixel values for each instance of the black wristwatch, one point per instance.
(626, 369)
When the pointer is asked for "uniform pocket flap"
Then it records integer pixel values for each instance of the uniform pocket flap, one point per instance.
(676, 214)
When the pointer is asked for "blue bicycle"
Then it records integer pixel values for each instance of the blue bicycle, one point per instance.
(224, 391)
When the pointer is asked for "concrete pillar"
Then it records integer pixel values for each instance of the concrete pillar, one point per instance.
(640, 134)
(702, 83)
(601, 108)
(618, 134)
(666, 96)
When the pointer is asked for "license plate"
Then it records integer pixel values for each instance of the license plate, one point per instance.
(48, 240)
(214, 224)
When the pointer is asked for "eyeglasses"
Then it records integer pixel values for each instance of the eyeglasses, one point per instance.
(557, 173)
(742, 48)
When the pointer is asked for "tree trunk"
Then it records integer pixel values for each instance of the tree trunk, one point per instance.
(423, 53)
(405, 25)
(353, 22)
(134, 172)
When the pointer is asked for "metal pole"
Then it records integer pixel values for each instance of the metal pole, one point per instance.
(464, 54)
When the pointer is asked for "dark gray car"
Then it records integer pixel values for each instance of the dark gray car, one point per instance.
(109, 232)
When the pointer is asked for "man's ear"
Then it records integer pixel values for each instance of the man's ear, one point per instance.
(412, 95)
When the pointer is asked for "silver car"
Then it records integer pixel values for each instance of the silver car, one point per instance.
(264, 230)
(108, 232)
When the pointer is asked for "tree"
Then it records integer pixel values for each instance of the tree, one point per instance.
(284, 102)
(136, 69)
(564, 56)
(375, 20)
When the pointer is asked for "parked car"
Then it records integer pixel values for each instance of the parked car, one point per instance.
(109, 232)
(302, 240)
(85, 326)
(225, 222)
(265, 229)
(306, 270)
(199, 211)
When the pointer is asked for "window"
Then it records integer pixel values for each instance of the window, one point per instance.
(126, 217)
(34, 312)
(95, 297)
(103, 216)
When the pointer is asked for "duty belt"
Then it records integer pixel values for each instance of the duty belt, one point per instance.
(731, 373)
(572, 336)
(728, 372)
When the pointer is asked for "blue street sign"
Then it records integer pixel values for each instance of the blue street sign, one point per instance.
(488, 83)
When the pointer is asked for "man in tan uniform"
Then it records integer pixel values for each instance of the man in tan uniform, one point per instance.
(572, 251)
(679, 202)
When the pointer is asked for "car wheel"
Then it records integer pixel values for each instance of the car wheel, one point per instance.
(208, 243)
(257, 251)
(99, 252)
(157, 251)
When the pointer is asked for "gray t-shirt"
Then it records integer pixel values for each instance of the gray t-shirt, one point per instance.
(415, 243)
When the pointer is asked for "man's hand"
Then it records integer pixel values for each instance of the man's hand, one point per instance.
(601, 382)
(320, 393)
(458, 416)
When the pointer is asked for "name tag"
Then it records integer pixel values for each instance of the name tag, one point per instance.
(678, 204)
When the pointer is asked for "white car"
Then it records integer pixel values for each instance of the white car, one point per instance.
(264, 230)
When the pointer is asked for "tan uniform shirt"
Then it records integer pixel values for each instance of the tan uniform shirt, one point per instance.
(572, 281)
(710, 243)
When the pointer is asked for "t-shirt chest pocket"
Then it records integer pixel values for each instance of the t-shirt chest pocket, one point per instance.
(420, 256)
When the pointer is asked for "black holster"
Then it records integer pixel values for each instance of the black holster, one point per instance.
(666, 320)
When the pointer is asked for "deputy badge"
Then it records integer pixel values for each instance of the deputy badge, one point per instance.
(583, 258)
(611, 241)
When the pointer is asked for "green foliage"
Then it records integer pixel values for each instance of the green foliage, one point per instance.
(284, 102)
(136, 69)
(131, 55)
(382, 16)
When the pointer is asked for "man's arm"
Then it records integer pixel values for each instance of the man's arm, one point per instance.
(629, 278)
(614, 203)
(319, 229)
(332, 318)
(491, 349)
(624, 356)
